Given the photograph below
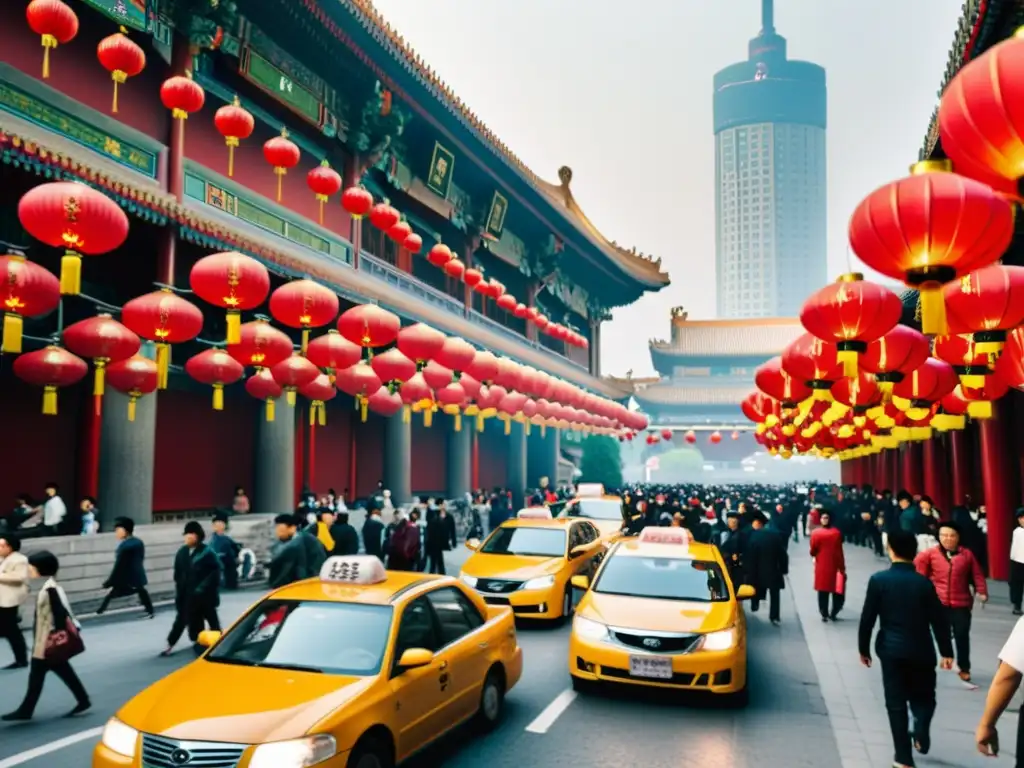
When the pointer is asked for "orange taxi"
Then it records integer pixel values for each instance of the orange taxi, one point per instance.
(608, 513)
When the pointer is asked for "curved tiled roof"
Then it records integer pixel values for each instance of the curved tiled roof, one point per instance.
(674, 394)
(646, 268)
(729, 338)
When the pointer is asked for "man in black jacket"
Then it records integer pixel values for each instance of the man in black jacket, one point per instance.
(373, 533)
(346, 538)
(765, 565)
(905, 605)
(128, 576)
(197, 572)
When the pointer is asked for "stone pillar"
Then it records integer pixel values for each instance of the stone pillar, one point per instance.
(274, 484)
(127, 459)
(458, 463)
(551, 452)
(998, 483)
(517, 465)
(398, 459)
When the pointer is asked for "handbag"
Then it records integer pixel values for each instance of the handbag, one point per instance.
(64, 641)
(840, 583)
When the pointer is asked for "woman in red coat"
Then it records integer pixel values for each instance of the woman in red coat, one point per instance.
(829, 567)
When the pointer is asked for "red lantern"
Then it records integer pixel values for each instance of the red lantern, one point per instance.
(472, 277)
(136, 377)
(333, 352)
(929, 229)
(532, 313)
(360, 382)
(735, 435)
(69, 215)
(292, 373)
(1010, 365)
(417, 393)
(166, 319)
(484, 367)
(234, 123)
(282, 153)
(260, 345)
(814, 362)
(215, 368)
(952, 413)
(454, 268)
(980, 399)
(892, 356)
(437, 375)
(420, 342)
(666, 435)
(122, 58)
(50, 368)
(928, 383)
(318, 392)
(986, 303)
(369, 326)
(384, 402)
(520, 311)
(399, 232)
(960, 351)
(26, 290)
(182, 95)
(456, 354)
(384, 217)
(771, 379)
(232, 281)
(859, 392)
(55, 23)
(852, 313)
(325, 183)
(304, 304)
(393, 367)
(357, 201)
(507, 302)
(690, 437)
(440, 255)
(541, 321)
(715, 437)
(262, 386)
(452, 398)
(413, 243)
(103, 340)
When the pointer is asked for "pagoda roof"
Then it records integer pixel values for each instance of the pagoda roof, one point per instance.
(728, 338)
(674, 394)
(644, 269)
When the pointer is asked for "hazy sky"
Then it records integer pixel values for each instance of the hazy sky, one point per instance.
(621, 92)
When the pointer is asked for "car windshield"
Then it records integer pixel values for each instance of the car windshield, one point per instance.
(277, 634)
(596, 509)
(663, 578)
(521, 540)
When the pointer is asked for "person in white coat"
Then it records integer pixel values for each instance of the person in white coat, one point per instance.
(13, 592)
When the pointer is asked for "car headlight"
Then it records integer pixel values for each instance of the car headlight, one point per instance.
(298, 753)
(120, 738)
(468, 580)
(722, 640)
(590, 629)
(541, 582)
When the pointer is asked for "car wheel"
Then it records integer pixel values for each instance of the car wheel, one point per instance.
(492, 701)
(371, 753)
(567, 603)
(580, 685)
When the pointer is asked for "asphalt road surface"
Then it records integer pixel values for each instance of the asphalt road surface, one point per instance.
(546, 724)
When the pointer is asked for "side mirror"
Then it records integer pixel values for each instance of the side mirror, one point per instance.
(745, 592)
(208, 638)
(581, 582)
(473, 545)
(415, 658)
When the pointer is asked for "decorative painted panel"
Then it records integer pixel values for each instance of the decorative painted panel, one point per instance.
(442, 168)
(282, 87)
(130, 13)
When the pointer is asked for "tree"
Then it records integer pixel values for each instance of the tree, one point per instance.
(602, 461)
(681, 465)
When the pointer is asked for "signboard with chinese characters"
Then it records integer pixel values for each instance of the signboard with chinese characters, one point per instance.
(129, 13)
(442, 165)
(496, 216)
(285, 89)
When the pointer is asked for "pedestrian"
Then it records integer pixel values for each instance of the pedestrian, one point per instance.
(55, 641)
(440, 538)
(226, 549)
(954, 571)
(346, 538)
(1017, 564)
(316, 554)
(904, 604)
(196, 589)
(373, 534)
(240, 502)
(128, 576)
(829, 563)
(766, 564)
(288, 563)
(54, 510)
(322, 529)
(730, 544)
(403, 545)
(1004, 685)
(90, 516)
(13, 594)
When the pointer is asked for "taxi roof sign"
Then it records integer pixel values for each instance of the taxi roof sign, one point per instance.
(534, 513)
(354, 569)
(658, 535)
(590, 490)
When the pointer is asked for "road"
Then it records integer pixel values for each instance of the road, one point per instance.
(546, 724)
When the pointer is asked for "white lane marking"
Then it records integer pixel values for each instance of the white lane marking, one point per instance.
(53, 746)
(545, 719)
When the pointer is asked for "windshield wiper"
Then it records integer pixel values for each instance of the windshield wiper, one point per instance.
(293, 667)
(264, 665)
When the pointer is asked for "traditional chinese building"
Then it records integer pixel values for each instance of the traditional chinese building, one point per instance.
(349, 91)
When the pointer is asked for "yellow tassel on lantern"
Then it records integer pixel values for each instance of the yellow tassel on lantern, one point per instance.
(313, 407)
(979, 409)
(848, 357)
(321, 199)
(218, 397)
(132, 400)
(526, 426)
(321, 415)
(458, 422)
(918, 413)
(163, 364)
(479, 423)
(406, 414)
(280, 170)
(920, 433)
(823, 395)
(363, 408)
(290, 396)
(49, 41)
(49, 401)
(933, 310)
(305, 340)
(886, 388)
(508, 424)
(234, 334)
(232, 142)
(901, 403)
(71, 274)
(901, 433)
(771, 420)
(120, 77)
(270, 409)
(428, 417)
(973, 381)
(543, 429)
(13, 326)
(98, 378)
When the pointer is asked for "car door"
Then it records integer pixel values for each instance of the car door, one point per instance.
(464, 647)
(421, 694)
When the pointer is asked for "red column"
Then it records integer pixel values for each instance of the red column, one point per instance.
(845, 471)
(911, 478)
(959, 467)
(353, 455)
(893, 458)
(936, 475)
(89, 446)
(998, 484)
(311, 456)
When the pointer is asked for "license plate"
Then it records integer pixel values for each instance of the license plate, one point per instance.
(654, 667)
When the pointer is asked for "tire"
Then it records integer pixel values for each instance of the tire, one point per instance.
(580, 685)
(492, 701)
(371, 752)
(567, 608)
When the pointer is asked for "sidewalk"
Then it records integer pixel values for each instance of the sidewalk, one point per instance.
(853, 694)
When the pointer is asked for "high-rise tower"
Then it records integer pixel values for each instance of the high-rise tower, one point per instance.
(770, 179)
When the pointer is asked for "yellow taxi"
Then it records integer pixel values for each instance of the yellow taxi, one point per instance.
(661, 611)
(528, 562)
(606, 512)
(359, 668)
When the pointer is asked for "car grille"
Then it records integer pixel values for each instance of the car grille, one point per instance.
(158, 752)
(658, 643)
(498, 586)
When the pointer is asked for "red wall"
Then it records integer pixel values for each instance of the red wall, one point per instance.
(429, 454)
(202, 454)
(37, 449)
(330, 469)
(493, 455)
(370, 454)
(75, 71)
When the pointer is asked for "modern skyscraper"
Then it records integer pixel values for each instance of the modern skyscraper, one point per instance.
(770, 179)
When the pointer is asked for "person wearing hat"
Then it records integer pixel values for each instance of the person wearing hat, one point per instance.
(765, 564)
(197, 572)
